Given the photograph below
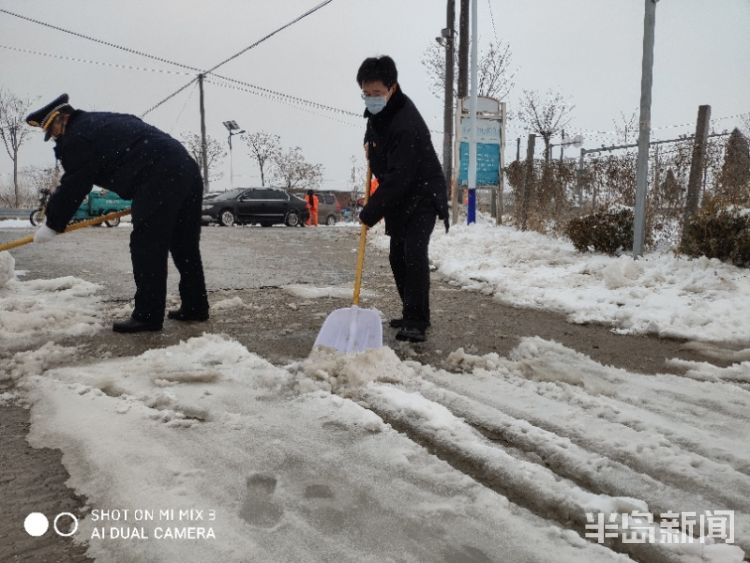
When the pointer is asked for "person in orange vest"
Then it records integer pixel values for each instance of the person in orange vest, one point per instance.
(312, 206)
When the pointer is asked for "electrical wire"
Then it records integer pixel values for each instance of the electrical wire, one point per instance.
(288, 100)
(492, 19)
(96, 40)
(267, 37)
(89, 61)
(189, 67)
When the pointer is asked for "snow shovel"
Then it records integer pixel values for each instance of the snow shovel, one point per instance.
(351, 329)
(74, 227)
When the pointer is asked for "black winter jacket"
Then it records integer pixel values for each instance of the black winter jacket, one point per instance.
(112, 150)
(403, 159)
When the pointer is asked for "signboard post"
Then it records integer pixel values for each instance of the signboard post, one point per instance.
(489, 142)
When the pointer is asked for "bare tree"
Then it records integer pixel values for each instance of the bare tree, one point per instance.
(214, 151)
(734, 179)
(13, 130)
(293, 171)
(626, 127)
(263, 147)
(496, 78)
(746, 124)
(546, 116)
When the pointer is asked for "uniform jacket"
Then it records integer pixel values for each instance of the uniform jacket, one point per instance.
(404, 161)
(112, 150)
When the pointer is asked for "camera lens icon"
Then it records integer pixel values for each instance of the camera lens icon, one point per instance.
(36, 524)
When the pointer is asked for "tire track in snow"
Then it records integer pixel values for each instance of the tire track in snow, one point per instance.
(589, 470)
(533, 487)
(591, 422)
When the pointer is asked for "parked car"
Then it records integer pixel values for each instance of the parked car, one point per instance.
(329, 209)
(264, 206)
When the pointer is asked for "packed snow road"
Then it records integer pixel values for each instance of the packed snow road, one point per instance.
(501, 439)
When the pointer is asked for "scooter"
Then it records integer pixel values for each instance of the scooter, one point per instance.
(38, 215)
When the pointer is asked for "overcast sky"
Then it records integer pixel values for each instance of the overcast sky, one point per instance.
(588, 50)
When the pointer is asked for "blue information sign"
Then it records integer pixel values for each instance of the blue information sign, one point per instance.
(488, 164)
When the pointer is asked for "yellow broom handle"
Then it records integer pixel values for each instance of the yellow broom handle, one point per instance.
(362, 244)
(74, 227)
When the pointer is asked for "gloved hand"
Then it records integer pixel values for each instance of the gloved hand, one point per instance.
(366, 216)
(44, 234)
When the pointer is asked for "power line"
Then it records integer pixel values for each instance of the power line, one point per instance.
(492, 19)
(289, 100)
(172, 95)
(259, 90)
(181, 65)
(96, 40)
(89, 61)
(267, 37)
(241, 52)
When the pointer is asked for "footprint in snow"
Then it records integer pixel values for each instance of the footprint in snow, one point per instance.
(260, 508)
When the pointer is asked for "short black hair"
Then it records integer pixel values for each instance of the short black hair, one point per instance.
(378, 68)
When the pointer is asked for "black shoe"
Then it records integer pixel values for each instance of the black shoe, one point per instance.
(134, 325)
(411, 334)
(180, 315)
(398, 323)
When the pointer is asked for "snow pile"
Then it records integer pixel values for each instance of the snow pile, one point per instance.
(279, 473)
(33, 312)
(337, 292)
(36, 361)
(738, 373)
(7, 268)
(699, 299)
(232, 304)
(346, 374)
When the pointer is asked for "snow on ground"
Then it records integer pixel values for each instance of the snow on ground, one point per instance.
(327, 459)
(35, 311)
(291, 471)
(672, 296)
(15, 224)
(7, 268)
(304, 291)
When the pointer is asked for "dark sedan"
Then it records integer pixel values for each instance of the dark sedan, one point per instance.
(264, 206)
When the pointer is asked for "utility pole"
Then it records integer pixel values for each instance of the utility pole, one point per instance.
(463, 86)
(204, 144)
(528, 181)
(448, 35)
(471, 208)
(698, 162)
(656, 167)
(463, 50)
(647, 70)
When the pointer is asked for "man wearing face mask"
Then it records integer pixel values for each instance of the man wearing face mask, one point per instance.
(412, 191)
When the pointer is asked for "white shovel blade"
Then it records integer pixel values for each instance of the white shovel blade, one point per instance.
(351, 330)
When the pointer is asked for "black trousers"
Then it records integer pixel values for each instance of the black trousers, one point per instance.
(411, 268)
(167, 219)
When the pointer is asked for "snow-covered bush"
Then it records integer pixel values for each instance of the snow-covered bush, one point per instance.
(607, 231)
(718, 233)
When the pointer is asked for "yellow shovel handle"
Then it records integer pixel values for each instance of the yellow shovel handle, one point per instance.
(74, 227)
(362, 245)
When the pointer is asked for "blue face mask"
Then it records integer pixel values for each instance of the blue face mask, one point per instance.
(375, 104)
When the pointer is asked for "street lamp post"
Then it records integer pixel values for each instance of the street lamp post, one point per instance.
(233, 129)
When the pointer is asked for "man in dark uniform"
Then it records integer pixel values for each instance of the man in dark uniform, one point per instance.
(412, 191)
(137, 161)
